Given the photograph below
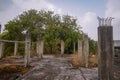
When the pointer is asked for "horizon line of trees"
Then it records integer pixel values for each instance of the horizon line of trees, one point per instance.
(44, 25)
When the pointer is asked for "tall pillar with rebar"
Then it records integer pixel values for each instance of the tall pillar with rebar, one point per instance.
(105, 48)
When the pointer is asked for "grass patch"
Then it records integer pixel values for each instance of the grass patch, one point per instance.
(76, 60)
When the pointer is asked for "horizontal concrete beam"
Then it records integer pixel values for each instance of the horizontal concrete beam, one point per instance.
(12, 41)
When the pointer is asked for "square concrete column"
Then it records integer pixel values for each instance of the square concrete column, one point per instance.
(85, 49)
(105, 49)
(73, 47)
(40, 48)
(15, 48)
(80, 48)
(62, 47)
(27, 50)
(37, 47)
(1, 49)
(105, 54)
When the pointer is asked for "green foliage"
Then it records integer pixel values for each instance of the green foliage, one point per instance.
(9, 49)
(43, 25)
(21, 49)
(92, 46)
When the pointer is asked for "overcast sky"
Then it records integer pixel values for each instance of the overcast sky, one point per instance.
(86, 11)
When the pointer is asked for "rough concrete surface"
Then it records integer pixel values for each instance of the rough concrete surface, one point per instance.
(52, 68)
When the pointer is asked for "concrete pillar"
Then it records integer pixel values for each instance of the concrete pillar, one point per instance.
(62, 47)
(37, 47)
(105, 52)
(74, 47)
(15, 48)
(85, 50)
(27, 50)
(1, 49)
(40, 48)
(80, 48)
(105, 49)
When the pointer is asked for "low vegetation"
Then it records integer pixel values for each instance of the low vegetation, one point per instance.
(77, 61)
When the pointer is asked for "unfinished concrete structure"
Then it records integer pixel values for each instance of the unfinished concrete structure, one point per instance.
(117, 48)
(1, 49)
(105, 49)
(27, 50)
(15, 48)
(40, 48)
(80, 51)
(62, 47)
(85, 50)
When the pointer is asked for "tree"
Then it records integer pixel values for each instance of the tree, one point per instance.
(44, 25)
(72, 34)
(92, 46)
(52, 39)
